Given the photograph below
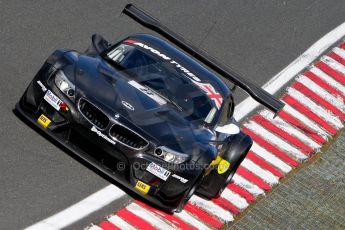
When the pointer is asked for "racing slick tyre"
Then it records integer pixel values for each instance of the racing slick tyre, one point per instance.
(216, 181)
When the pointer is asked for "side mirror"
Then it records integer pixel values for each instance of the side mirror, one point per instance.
(231, 129)
(98, 44)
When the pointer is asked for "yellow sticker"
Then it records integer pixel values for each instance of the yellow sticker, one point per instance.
(44, 121)
(142, 187)
(223, 166)
(216, 161)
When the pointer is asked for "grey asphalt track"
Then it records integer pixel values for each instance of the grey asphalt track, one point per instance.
(257, 38)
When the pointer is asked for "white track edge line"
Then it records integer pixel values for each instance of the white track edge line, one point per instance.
(81, 209)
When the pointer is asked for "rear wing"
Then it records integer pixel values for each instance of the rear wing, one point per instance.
(254, 91)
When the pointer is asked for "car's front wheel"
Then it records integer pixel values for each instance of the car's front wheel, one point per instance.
(216, 181)
(188, 194)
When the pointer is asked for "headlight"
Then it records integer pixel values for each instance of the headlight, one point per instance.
(65, 85)
(170, 155)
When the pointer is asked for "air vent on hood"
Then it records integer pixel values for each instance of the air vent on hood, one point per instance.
(93, 114)
(127, 137)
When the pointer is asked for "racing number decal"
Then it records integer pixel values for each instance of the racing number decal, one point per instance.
(43, 120)
(142, 187)
(147, 91)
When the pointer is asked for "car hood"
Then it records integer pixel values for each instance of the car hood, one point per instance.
(152, 117)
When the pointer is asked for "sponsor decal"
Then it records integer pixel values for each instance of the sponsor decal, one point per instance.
(211, 93)
(158, 171)
(53, 100)
(105, 137)
(216, 161)
(183, 180)
(148, 92)
(152, 50)
(44, 121)
(42, 86)
(127, 105)
(165, 57)
(142, 187)
(223, 166)
(208, 88)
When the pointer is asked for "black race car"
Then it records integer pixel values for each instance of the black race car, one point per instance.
(150, 115)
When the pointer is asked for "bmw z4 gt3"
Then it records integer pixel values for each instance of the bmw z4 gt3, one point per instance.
(147, 114)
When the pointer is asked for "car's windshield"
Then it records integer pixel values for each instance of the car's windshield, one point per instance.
(152, 70)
